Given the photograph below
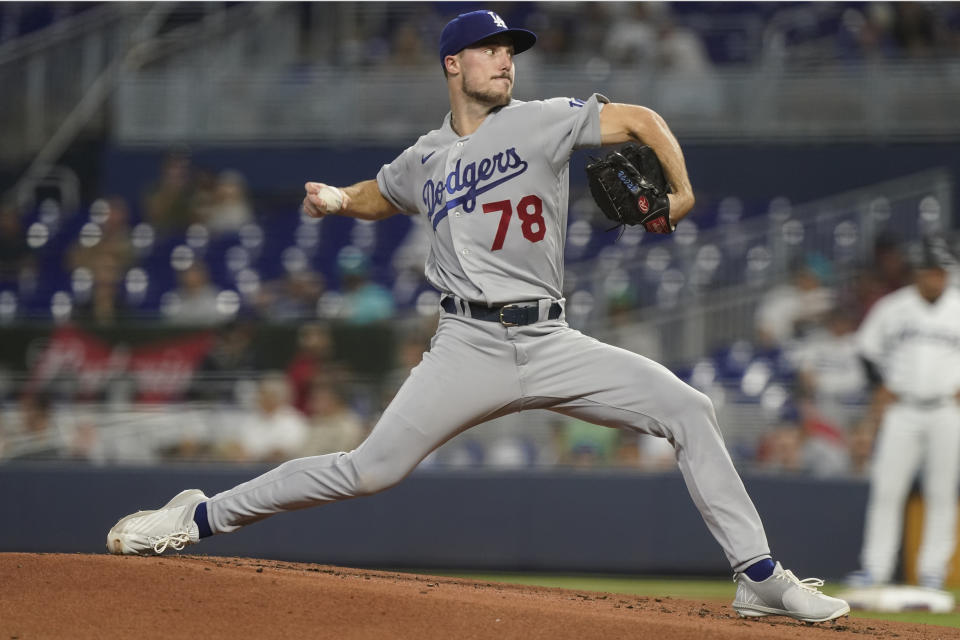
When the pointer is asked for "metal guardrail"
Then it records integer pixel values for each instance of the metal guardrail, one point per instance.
(703, 288)
(51, 72)
(46, 73)
(91, 23)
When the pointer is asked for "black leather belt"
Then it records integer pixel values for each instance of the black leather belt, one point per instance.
(509, 315)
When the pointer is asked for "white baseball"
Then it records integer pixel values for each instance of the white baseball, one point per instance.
(331, 198)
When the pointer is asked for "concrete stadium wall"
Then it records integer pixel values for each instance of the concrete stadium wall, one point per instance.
(573, 521)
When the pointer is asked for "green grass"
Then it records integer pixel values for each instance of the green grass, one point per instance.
(688, 589)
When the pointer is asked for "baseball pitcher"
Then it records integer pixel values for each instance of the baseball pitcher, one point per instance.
(491, 183)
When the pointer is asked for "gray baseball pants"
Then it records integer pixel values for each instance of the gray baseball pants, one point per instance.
(476, 371)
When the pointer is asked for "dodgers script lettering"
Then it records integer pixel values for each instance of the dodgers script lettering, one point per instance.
(471, 180)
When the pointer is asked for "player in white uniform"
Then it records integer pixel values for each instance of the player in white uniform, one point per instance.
(910, 341)
(492, 185)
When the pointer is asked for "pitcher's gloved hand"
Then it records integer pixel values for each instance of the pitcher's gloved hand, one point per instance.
(629, 187)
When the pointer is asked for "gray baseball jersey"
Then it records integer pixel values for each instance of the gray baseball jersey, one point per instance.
(916, 346)
(496, 199)
(496, 203)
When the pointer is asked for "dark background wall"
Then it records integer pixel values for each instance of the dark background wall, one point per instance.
(753, 172)
(531, 520)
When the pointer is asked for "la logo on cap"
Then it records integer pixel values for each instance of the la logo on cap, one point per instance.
(472, 27)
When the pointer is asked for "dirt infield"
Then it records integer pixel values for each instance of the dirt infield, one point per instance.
(102, 596)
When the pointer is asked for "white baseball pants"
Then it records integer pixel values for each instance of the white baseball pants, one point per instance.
(909, 438)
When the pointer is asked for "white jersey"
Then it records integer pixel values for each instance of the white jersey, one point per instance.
(833, 362)
(496, 200)
(915, 344)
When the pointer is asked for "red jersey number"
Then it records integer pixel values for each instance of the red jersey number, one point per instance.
(530, 212)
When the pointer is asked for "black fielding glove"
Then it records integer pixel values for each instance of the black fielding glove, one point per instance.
(629, 187)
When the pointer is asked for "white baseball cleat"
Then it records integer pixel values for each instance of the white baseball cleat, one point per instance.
(148, 533)
(783, 594)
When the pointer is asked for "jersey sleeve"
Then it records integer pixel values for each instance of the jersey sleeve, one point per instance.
(569, 124)
(871, 335)
(395, 180)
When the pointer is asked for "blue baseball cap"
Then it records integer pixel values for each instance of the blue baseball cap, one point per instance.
(468, 28)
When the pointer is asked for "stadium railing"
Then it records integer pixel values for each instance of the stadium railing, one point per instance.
(889, 101)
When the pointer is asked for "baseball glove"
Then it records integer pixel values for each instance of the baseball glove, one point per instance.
(629, 187)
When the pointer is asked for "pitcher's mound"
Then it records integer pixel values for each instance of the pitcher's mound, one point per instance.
(103, 596)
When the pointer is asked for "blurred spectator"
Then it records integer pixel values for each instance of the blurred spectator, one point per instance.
(459, 452)
(553, 29)
(643, 451)
(86, 440)
(407, 50)
(230, 362)
(796, 447)
(860, 446)
(204, 192)
(887, 272)
(112, 238)
(364, 301)
(914, 29)
(583, 444)
(169, 204)
(831, 382)
(413, 342)
(826, 454)
(632, 38)
(334, 426)
(629, 451)
(407, 263)
(656, 454)
(274, 430)
(510, 452)
(15, 254)
(681, 54)
(412, 347)
(591, 29)
(781, 450)
(36, 437)
(788, 311)
(890, 265)
(195, 300)
(621, 329)
(868, 34)
(229, 206)
(310, 362)
(680, 51)
(291, 298)
(103, 304)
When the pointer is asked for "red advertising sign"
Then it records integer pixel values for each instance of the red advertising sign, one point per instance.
(161, 371)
